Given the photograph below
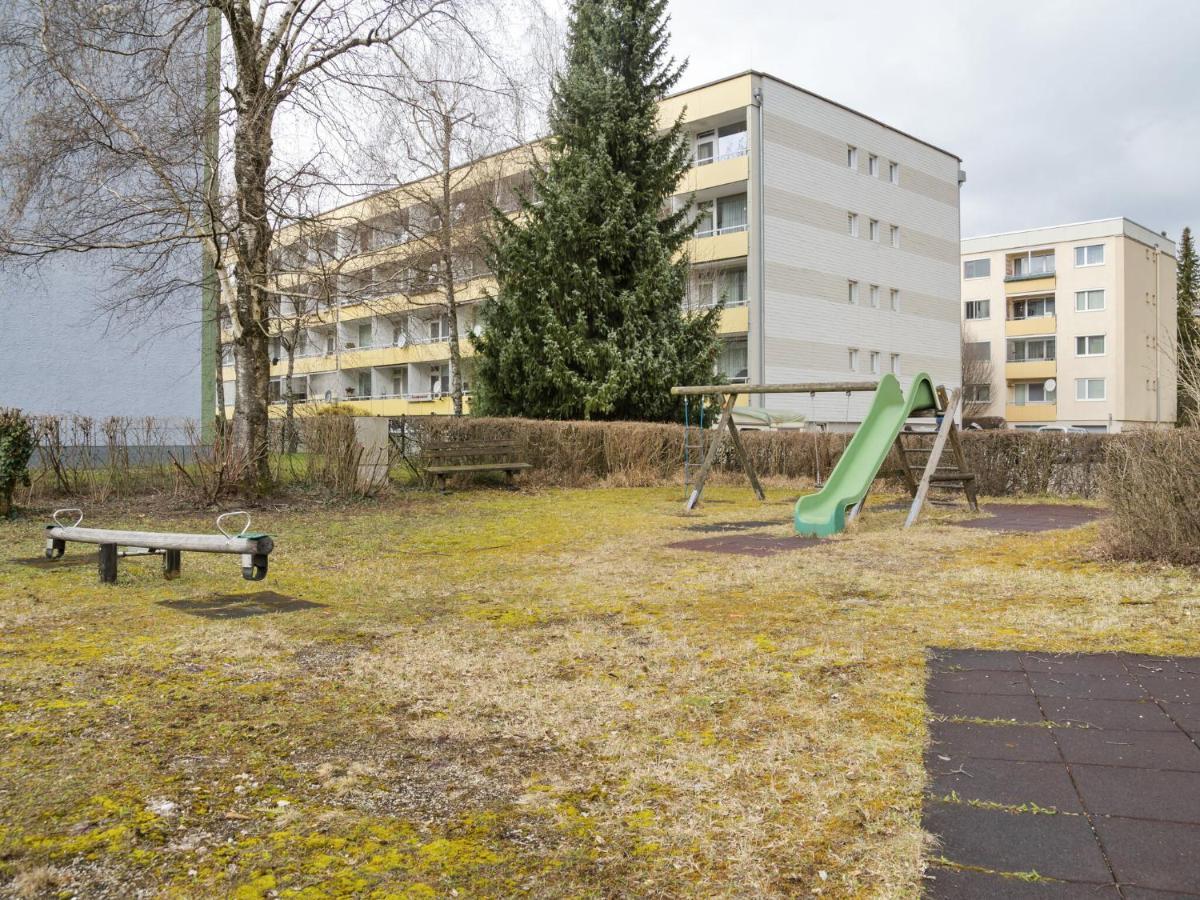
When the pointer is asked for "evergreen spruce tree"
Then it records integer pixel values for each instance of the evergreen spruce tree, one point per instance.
(588, 320)
(1187, 295)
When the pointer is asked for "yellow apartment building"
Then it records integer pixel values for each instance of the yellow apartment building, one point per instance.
(1071, 326)
(831, 239)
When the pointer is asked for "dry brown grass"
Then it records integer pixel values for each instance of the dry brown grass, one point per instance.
(523, 694)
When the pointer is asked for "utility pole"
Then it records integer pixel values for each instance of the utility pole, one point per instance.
(210, 312)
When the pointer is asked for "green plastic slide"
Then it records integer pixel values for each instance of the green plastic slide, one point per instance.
(824, 513)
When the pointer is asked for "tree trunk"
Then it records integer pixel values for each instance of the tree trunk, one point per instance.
(289, 420)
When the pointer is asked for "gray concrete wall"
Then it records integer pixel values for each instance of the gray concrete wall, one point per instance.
(60, 354)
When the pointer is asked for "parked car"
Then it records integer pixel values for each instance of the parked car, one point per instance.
(1064, 429)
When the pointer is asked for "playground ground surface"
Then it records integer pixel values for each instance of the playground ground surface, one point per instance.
(526, 694)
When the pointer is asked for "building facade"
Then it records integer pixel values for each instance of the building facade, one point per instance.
(1070, 325)
(830, 238)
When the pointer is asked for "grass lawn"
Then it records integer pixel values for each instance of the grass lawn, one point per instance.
(497, 693)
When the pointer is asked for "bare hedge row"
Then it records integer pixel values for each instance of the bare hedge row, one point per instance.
(632, 453)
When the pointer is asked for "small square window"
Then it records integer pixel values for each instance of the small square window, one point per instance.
(1089, 345)
(978, 309)
(873, 166)
(852, 224)
(852, 157)
(1089, 301)
(896, 364)
(895, 235)
(875, 296)
(853, 360)
(875, 230)
(1092, 255)
(895, 298)
(894, 172)
(977, 268)
(874, 362)
(1089, 389)
(853, 292)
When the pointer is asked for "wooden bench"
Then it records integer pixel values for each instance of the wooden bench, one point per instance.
(252, 547)
(444, 458)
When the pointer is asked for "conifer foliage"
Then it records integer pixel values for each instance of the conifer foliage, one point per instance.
(1187, 295)
(587, 320)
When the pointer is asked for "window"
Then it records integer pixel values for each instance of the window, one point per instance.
(1089, 388)
(731, 140)
(706, 148)
(853, 360)
(852, 224)
(364, 334)
(977, 268)
(875, 230)
(438, 382)
(853, 292)
(1031, 264)
(895, 235)
(896, 364)
(1031, 349)
(439, 329)
(874, 362)
(1089, 345)
(894, 172)
(732, 363)
(875, 296)
(1089, 301)
(895, 300)
(873, 166)
(364, 384)
(977, 393)
(1092, 255)
(730, 215)
(979, 309)
(399, 380)
(1032, 392)
(977, 351)
(712, 286)
(852, 157)
(1036, 308)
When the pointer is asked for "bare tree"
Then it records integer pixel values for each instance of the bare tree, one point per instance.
(977, 372)
(443, 143)
(102, 142)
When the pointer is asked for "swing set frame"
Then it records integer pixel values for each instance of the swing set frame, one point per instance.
(729, 394)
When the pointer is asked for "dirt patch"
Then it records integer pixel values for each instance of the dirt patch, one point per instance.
(40, 562)
(1030, 517)
(724, 527)
(746, 544)
(240, 606)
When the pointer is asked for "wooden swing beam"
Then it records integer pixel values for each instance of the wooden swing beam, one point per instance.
(730, 394)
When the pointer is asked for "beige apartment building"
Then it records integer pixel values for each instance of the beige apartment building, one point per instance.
(1070, 326)
(830, 238)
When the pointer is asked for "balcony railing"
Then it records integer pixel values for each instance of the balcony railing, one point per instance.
(721, 157)
(411, 397)
(690, 304)
(728, 229)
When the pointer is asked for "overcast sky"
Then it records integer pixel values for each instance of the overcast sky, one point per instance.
(1062, 110)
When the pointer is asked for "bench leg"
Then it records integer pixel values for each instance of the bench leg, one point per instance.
(442, 484)
(108, 563)
(508, 478)
(172, 564)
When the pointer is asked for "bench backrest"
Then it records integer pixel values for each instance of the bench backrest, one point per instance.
(449, 453)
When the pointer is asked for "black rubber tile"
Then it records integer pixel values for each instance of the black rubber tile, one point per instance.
(1176, 687)
(985, 706)
(959, 884)
(1138, 893)
(948, 660)
(1140, 793)
(1141, 664)
(1141, 749)
(1086, 687)
(1074, 663)
(959, 740)
(1053, 846)
(1124, 715)
(1187, 715)
(1155, 855)
(1013, 783)
(980, 681)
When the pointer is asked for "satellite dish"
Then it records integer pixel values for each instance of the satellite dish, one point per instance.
(1050, 385)
(401, 339)
(477, 331)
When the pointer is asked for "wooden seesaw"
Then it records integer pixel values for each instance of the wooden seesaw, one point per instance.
(252, 547)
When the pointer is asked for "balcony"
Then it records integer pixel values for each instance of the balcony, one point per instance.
(724, 170)
(1020, 413)
(729, 243)
(413, 404)
(1030, 327)
(734, 320)
(1029, 370)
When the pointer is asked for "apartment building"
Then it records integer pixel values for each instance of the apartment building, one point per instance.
(1070, 325)
(830, 238)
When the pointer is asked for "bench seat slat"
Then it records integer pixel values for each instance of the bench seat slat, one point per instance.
(480, 467)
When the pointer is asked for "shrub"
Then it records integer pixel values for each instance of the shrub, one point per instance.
(16, 447)
(1151, 479)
